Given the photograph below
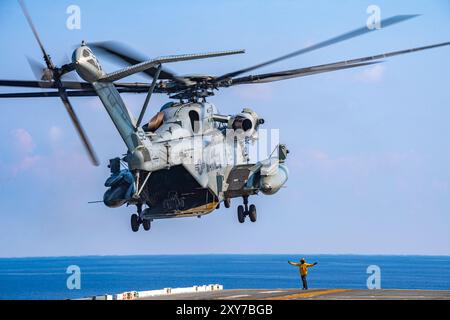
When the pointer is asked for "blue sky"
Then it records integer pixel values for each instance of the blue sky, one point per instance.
(369, 157)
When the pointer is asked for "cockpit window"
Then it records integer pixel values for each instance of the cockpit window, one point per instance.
(91, 61)
(86, 53)
(194, 117)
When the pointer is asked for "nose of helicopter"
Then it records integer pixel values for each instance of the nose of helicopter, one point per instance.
(76, 55)
(86, 63)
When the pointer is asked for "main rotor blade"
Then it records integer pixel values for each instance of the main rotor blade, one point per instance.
(348, 35)
(75, 93)
(47, 58)
(74, 86)
(345, 64)
(50, 94)
(45, 84)
(79, 128)
(131, 57)
(295, 73)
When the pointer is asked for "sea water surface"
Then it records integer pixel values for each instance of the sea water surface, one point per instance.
(46, 278)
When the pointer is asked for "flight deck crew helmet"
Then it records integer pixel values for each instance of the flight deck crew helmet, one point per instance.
(302, 260)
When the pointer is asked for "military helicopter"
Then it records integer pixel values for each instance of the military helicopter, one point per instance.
(189, 158)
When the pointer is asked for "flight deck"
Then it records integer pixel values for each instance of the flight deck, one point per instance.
(312, 294)
(217, 292)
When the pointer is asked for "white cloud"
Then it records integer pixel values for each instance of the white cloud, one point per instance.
(27, 157)
(371, 74)
(55, 134)
(25, 163)
(23, 141)
(24, 144)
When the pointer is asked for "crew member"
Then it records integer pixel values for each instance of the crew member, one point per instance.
(303, 269)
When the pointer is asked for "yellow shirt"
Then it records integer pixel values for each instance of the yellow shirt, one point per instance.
(303, 267)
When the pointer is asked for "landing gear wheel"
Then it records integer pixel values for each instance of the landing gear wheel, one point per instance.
(241, 214)
(135, 222)
(227, 203)
(146, 224)
(252, 213)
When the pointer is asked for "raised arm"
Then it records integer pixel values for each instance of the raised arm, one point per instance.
(293, 264)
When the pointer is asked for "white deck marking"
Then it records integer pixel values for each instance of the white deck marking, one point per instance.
(276, 291)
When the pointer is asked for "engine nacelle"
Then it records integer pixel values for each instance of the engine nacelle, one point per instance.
(273, 181)
(247, 121)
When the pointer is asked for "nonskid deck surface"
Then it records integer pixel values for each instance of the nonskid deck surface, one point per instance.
(312, 294)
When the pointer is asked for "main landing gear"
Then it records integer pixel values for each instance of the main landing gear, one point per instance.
(136, 221)
(246, 210)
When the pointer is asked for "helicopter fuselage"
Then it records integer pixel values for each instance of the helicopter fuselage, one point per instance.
(190, 157)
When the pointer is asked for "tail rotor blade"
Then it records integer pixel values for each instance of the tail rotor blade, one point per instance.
(36, 67)
(78, 127)
(67, 67)
(72, 78)
(52, 73)
(47, 59)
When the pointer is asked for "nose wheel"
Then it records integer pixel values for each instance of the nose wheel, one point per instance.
(245, 210)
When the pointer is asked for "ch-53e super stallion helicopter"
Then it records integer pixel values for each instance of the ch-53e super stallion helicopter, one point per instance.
(188, 158)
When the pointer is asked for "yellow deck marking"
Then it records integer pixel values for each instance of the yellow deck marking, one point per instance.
(307, 294)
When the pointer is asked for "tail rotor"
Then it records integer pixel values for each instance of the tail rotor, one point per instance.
(54, 74)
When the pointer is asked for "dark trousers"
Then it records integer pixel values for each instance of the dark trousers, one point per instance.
(305, 283)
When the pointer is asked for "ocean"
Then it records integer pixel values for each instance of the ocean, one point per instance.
(46, 278)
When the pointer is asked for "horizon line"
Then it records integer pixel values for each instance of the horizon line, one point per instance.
(228, 254)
